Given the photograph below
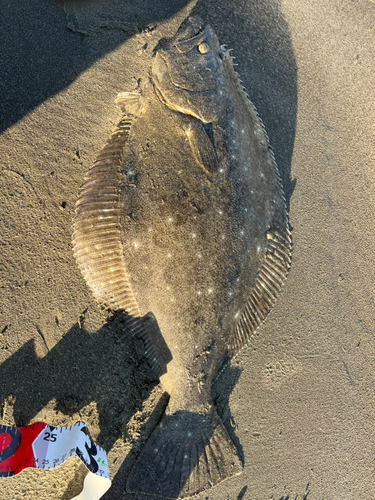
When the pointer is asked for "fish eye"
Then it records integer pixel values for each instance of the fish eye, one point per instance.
(203, 48)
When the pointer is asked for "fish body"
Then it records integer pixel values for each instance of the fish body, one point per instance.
(182, 220)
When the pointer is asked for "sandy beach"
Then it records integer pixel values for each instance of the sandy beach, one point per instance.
(298, 401)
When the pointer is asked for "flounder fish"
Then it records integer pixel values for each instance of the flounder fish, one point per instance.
(181, 223)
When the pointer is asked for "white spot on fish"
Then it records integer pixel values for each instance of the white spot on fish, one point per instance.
(169, 255)
(233, 157)
(185, 456)
(199, 255)
(258, 248)
(221, 170)
(236, 316)
(189, 434)
(261, 176)
(220, 212)
(241, 233)
(243, 131)
(230, 294)
(170, 219)
(135, 244)
(199, 293)
(193, 235)
(245, 209)
(210, 290)
(156, 450)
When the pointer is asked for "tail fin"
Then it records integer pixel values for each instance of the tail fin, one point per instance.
(187, 453)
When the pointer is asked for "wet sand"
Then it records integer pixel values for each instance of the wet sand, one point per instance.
(298, 401)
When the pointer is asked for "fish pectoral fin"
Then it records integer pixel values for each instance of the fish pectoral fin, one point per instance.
(202, 148)
(187, 453)
(130, 103)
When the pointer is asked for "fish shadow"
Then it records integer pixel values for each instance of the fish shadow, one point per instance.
(222, 388)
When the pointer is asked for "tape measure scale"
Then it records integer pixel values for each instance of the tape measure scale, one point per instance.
(43, 446)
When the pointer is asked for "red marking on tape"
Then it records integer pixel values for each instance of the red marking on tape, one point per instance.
(16, 451)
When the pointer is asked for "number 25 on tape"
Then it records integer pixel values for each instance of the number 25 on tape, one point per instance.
(50, 437)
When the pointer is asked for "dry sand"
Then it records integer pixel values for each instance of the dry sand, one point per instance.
(299, 400)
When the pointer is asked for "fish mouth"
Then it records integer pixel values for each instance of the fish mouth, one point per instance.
(190, 28)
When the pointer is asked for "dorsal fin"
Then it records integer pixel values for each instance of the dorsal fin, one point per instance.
(276, 263)
(96, 238)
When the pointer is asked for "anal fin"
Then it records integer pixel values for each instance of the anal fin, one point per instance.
(267, 286)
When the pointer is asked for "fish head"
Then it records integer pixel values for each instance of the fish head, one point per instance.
(188, 71)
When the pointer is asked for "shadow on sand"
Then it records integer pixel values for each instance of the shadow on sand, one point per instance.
(106, 368)
(44, 48)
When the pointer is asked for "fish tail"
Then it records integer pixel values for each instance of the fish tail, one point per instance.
(187, 453)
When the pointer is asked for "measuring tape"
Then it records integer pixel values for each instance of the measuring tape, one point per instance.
(43, 446)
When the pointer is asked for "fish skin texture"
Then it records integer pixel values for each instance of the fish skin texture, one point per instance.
(182, 225)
